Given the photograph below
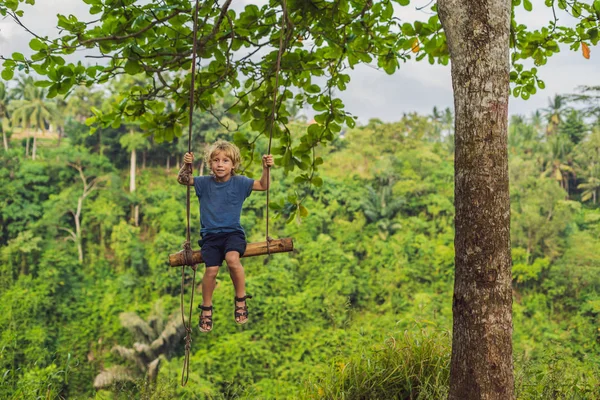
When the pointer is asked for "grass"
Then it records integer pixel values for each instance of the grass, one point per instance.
(406, 366)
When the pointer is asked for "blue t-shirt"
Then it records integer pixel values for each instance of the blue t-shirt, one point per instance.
(221, 202)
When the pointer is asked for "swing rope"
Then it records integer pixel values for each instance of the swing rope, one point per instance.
(187, 247)
(273, 111)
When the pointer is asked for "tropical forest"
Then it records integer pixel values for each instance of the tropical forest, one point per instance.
(361, 308)
(450, 254)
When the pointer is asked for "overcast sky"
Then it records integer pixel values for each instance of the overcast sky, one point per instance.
(371, 93)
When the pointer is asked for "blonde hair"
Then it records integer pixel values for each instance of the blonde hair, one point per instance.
(229, 149)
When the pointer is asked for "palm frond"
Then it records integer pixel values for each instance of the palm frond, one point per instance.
(169, 337)
(115, 374)
(130, 355)
(140, 329)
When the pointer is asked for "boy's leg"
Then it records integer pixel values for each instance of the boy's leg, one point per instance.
(209, 282)
(238, 277)
(212, 252)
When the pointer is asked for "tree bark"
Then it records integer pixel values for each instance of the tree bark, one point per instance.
(27, 147)
(478, 40)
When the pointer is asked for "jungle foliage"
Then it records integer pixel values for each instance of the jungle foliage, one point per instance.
(362, 306)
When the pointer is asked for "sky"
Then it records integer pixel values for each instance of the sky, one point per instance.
(415, 87)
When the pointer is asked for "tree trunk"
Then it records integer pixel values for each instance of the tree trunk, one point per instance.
(143, 159)
(27, 147)
(168, 163)
(34, 148)
(135, 210)
(77, 218)
(478, 40)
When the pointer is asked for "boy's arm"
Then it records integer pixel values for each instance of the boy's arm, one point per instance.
(264, 182)
(186, 174)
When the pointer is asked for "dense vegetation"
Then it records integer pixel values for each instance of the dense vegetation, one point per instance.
(89, 307)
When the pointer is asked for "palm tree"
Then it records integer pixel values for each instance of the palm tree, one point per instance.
(554, 112)
(436, 120)
(31, 110)
(558, 165)
(4, 100)
(591, 188)
(448, 121)
(590, 98)
(587, 161)
(380, 208)
(155, 340)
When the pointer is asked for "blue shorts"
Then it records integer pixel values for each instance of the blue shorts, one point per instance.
(214, 246)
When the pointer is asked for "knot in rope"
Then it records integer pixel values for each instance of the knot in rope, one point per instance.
(188, 338)
(188, 254)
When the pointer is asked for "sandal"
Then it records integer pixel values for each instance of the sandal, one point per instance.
(206, 323)
(244, 309)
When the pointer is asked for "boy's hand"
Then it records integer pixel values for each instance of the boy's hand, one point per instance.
(188, 158)
(267, 161)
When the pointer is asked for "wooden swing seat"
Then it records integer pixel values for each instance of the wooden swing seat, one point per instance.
(252, 249)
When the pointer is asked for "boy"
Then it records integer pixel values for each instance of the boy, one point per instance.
(221, 196)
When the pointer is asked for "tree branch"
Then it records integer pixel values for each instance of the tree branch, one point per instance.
(132, 35)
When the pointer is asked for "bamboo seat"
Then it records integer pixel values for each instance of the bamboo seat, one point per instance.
(252, 249)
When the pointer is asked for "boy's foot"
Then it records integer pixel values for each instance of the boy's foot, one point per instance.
(206, 323)
(241, 309)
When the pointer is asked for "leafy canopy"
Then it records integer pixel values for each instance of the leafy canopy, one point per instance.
(238, 49)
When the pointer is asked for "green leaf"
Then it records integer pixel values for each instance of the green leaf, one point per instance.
(527, 5)
(350, 122)
(303, 211)
(517, 91)
(18, 56)
(403, 3)
(387, 13)
(291, 217)
(132, 67)
(314, 129)
(408, 29)
(275, 206)
(8, 73)
(319, 106)
(36, 44)
(42, 83)
(90, 121)
(313, 89)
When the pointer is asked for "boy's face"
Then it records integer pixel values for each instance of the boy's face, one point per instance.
(221, 165)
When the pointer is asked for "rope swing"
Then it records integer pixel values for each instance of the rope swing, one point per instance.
(188, 257)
